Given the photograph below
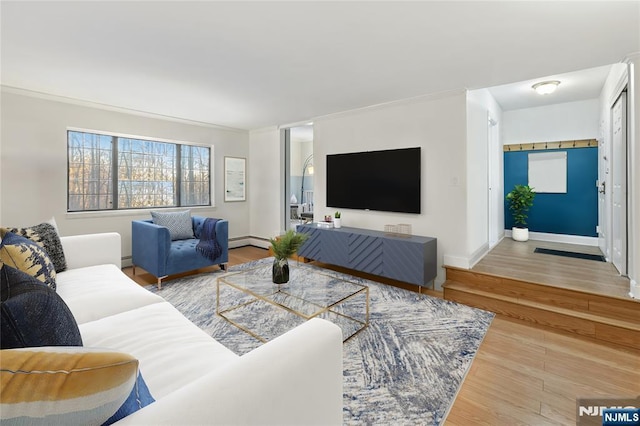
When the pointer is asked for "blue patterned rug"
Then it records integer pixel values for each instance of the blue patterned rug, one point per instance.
(405, 368)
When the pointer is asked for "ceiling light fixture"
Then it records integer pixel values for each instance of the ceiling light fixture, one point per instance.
(546, 87)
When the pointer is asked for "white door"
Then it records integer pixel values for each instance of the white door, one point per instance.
(604, 188)
(619, 184)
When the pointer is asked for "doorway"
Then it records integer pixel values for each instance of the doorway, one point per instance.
(299, 178)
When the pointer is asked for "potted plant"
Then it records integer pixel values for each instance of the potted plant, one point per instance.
(283, 247)
(520, 201)
(337, 221)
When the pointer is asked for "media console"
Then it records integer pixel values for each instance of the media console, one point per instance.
(410, 258)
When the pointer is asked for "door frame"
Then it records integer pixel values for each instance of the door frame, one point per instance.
(494, 195)
(604, 176)
(605, 224)
(621, 176)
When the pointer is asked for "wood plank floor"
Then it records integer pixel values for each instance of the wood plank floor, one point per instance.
(236, 257)
(525, 374)
(517, 260)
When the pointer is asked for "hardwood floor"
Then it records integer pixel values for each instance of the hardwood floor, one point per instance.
(236, 257)
(518, 260)
(526, 374)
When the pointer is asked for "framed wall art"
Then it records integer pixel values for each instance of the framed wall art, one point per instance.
(235, 173)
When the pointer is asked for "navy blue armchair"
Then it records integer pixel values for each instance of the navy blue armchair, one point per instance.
(153, 250)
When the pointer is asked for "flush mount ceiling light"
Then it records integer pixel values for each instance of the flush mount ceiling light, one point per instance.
(546, 87)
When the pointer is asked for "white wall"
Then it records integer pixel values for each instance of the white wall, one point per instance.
(480, 106)
(34, 163)
(567, 121)
(432, 123)
(266, 177)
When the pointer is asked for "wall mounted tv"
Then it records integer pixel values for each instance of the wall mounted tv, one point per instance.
(386, 180)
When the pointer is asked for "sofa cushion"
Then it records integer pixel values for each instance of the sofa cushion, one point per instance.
(46, 235)
(32, 314)
(172, 351)
(64, 385)
(179, 224)
(95, 292)
(27, 256)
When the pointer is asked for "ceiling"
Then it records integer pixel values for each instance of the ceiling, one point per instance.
(574, 86)
(248, 65)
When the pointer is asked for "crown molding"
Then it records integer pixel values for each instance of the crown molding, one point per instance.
(406, 101)
(113, 108)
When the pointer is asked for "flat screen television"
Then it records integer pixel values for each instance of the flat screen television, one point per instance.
(386, 180)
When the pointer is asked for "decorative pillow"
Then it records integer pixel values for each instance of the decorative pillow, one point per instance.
(179, 223)
(66, 385)
(46, 235)
(138, 398)
(27, 256)
(32, 314)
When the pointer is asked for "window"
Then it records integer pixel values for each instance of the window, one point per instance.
(109, 172)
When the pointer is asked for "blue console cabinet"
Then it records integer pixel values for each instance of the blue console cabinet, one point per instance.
(410, 258)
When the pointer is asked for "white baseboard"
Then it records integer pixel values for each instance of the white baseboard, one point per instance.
(259, 242)
(466, 262)
(456, 261)
(634, 290)
(478, 255)
(239, 242)
(559, 238)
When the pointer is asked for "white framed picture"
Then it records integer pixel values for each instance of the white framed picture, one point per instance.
(235, 188)
(548, 172)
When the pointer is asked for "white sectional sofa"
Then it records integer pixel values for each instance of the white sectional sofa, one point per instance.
(293, 379)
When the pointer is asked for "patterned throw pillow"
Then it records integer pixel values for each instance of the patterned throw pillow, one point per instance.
(27, 256)
(46, 235)
(179, 223)
(67, 385)
(32, 314)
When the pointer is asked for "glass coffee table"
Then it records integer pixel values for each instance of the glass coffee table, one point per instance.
(250, 301)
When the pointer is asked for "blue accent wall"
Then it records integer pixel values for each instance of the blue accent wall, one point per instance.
(573, 213)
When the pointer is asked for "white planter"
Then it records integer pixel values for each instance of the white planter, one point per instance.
(337, 223)
(520, 234)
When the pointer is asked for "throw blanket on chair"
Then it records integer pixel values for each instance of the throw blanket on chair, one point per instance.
(208, 245)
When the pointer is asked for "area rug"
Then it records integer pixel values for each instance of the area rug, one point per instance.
(405, 368)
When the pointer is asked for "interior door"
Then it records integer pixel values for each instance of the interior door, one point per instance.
(619, 184)
(604, 215)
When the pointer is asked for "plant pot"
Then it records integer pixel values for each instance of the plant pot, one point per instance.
(520, 234)
(280, 271)
(337, 223)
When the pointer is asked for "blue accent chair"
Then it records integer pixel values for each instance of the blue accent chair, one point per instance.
(153, 250)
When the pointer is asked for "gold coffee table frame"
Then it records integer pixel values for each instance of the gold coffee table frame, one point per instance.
(325, 295)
